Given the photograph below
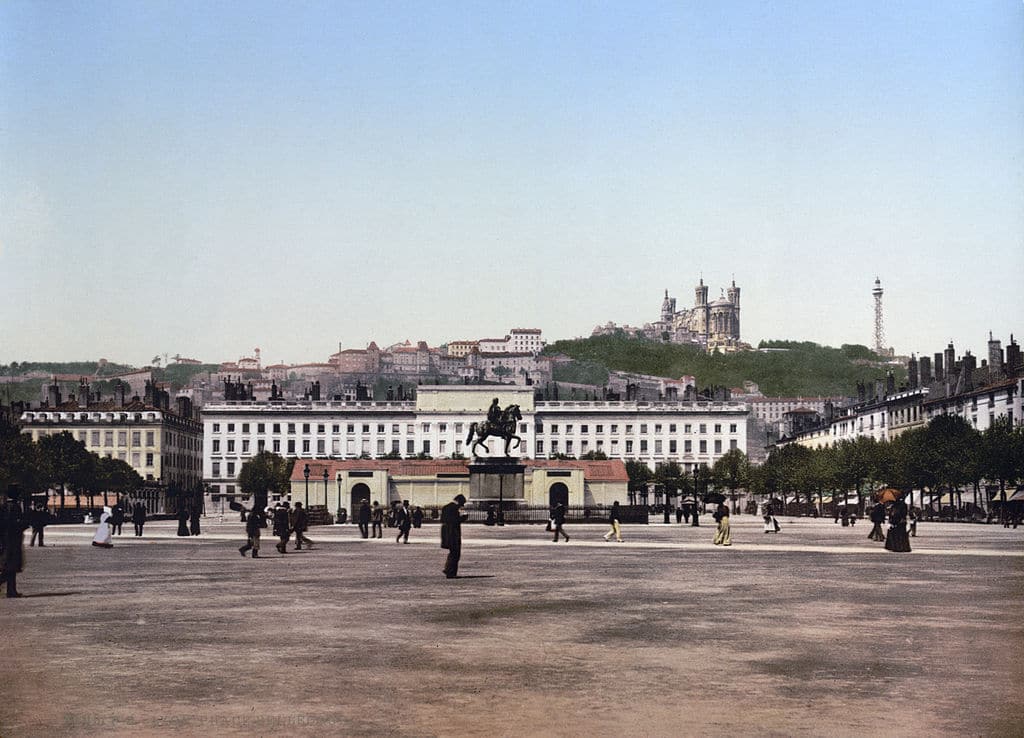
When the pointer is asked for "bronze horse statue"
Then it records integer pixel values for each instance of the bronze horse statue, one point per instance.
(505, 428)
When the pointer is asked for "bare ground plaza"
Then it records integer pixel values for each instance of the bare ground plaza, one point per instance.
(814, 631)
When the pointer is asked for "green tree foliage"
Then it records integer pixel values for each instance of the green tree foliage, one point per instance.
(639, 474)
(65, 463)
(180, 375)
(116, 476)
(594, 456)
(19, 460)
(731, 471)
(581, 372)
(802, 369)
(264, 473)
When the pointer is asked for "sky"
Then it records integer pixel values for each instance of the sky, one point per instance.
(203, 178)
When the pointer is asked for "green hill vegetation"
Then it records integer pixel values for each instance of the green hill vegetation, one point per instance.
(791, 369)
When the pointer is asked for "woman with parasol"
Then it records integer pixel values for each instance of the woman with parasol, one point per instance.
(896, 539)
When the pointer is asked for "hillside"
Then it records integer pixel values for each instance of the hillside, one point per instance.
(793, 369)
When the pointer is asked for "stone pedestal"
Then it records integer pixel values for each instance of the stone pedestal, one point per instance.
(496, 480)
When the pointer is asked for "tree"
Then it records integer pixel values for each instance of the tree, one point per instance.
(66, 463)
(639, 475)
(594, 456)
(19, 460)
(1002, 454)
(732, 471)
(117, 476)
(264, 473)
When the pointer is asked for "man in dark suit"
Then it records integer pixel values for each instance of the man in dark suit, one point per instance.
(282, 526)
(451, 534)
(13, 523)
(403, 519)
(364, 518)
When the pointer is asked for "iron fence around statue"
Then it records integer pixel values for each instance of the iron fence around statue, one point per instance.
(539, 514)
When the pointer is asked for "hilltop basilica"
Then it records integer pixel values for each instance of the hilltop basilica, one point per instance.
(714, 326)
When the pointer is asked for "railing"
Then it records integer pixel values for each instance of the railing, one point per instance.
(479, 513)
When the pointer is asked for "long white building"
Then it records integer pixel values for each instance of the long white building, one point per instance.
(437, 424)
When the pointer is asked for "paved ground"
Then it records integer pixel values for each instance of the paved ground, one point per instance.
(815, 631)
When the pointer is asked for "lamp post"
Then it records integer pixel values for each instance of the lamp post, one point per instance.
(325, 488)
(305, 473)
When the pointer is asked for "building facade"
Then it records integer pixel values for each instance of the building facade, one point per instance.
(163, 445)
(344, 483)
(437, 424)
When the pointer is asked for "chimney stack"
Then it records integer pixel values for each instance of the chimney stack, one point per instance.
(925, 371)
(940, 374)
(912, 372)
(995, 353)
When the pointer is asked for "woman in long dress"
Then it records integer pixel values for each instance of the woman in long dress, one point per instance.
(722, 535)
(897, 538)
(103, 532)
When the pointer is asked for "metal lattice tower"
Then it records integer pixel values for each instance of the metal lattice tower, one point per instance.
(879, 326)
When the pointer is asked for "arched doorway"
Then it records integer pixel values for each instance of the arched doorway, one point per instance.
(558, 493)
(360, 492)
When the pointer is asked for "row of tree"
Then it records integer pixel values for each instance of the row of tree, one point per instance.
(945, 456)
(62, 463)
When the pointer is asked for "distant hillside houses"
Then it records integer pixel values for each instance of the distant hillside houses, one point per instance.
(511, 359)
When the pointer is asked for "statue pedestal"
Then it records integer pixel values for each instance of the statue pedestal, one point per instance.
(496, 480)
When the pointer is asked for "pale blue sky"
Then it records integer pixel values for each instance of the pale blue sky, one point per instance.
(201, 178)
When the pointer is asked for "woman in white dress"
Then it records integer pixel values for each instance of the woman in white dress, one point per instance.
(103, 537)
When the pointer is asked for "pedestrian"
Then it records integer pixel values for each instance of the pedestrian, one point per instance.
(614, 522)
(12, 530)
(877, 517)
(193, 518)
(403, 518)
(417, 517)
(253, 523)
(558, 517)
(722, 536)
(695, 514)
(685, 508)
(102, 538)
(364, 518)
(914, 515)
(451, 534)
(300, 524)
(845, 513)
(38, 518)
(896, 539)
(117, 518)
(377, 520)
(771, 525)
(281, 527)
(182, 518)
(138, 518)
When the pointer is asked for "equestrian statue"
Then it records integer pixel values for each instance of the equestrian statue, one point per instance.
(500, 423)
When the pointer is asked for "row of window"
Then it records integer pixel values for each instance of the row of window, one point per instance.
(553, 428)
(289, 447)
(644, 446)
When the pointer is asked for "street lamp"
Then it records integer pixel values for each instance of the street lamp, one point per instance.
(325, 488)
(305, 473)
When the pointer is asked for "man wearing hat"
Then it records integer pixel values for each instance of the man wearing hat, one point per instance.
(12, 528)
(451, 534)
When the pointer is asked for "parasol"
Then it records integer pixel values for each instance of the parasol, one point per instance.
(889, 494)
